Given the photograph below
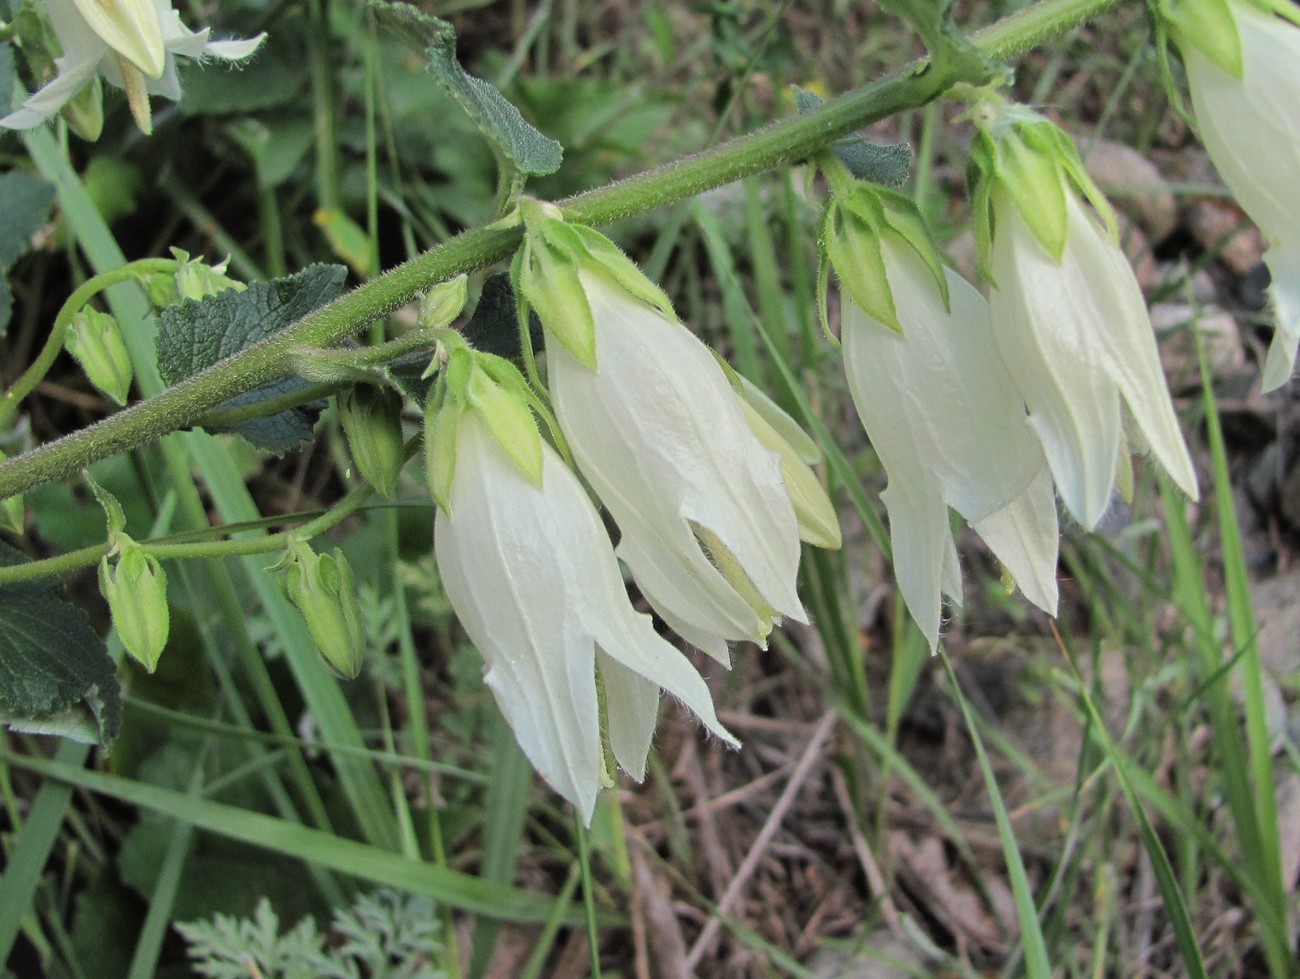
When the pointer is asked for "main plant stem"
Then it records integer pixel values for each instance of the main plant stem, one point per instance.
(781, 144)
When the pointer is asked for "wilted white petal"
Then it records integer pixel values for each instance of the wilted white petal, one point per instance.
(1076, 337)
(950, 429)
(658, 432)
(533, 579)
(1251, 128)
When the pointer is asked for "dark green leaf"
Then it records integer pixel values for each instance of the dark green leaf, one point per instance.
(27, 203)
(56, 676)
(880, 163)
(522, 145)
(494, 327)
(195, 335)
(272, 78)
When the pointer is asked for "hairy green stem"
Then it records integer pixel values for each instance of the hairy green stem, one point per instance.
(780, 144)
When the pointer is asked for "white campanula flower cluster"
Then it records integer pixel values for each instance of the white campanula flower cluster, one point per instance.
(993, 407)
(1243, 71)
(709, 497)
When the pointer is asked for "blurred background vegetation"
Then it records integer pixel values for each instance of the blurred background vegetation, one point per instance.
(1133, 764)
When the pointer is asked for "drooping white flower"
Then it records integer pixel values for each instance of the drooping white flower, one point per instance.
(533, 579)
(1078, 340)
(950, 429)
(1246, 97)
(1068, 315)
(707, 526)
(132, 43)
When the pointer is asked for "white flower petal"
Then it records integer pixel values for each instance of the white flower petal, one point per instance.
(1126, 336)
(1044, 318)
(129, 27)
(47, 102)
(949, 426)
(924, 551)
(1076, 337)
(1251, 129)
(1025, 537)
(533, 579)
(659, 434)
(1284, 266)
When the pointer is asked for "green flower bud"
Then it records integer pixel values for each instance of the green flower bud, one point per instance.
(136, 589)
(95, 340)
(443, 303)
(321, 586)
(195, 279)
(372, 420)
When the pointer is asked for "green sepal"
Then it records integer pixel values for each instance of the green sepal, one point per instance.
(1031, 173)
(372, 420)
(904, 221)
(95, 341)
(496, 390)
(612, 261)
(443, 303)
(777, 432)
(548, 280)
(1067, 154)
(442, 415)
(113, 513)
(786, 427)
(1208, 26)
(322, 588)
(979, 178)
(853, 248)
(84, 112)
(135, 587)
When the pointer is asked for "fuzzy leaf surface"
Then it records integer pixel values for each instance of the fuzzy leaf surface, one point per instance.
(56, 676)
(193, 336)
(528, 150)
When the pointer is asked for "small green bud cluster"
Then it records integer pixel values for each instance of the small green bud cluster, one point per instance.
(193, 279)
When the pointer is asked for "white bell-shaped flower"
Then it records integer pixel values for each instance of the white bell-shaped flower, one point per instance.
(1075, 335)
(531, 574)
(1251, 127)
(706, 522)
(128, 42)
(945, 419)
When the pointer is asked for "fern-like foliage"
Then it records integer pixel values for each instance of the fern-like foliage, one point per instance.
(384, 935)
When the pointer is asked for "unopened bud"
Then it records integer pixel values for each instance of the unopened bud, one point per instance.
(95, 340)
(372, 420)
(443, 303)
(136, 589)
(195, 279)
(321, 587)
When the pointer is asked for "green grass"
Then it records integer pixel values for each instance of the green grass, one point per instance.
(1157, 846)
